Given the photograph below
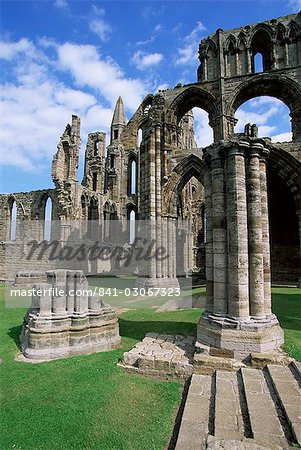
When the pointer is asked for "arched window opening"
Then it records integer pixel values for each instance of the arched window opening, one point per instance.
(132, 176)
(115, 134)
(93, 216)
(112, 162)
(13, 221)
(93, 210)
(146, 109)
(47, 219)
(96, 148)
(190, 241)
(262, 45)
(110, 213)
(258, 63)
(94, 181)
(269, 114)
(139, 137)
(132, 220)
(197, 132)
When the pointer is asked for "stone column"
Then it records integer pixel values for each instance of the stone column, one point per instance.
(238, 285)
(209, 244)
(158, 195)
(249, 63)
(165, 246)
(265, 236)
(296, 124)
(152, 197)
(219, 234)
(256, 284)
(285, 54)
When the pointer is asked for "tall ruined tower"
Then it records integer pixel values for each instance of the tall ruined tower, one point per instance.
(113, 163)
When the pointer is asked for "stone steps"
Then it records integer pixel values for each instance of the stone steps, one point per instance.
(288, 393)
(245, 409)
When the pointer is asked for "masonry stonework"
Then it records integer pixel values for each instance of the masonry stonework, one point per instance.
(152, 170)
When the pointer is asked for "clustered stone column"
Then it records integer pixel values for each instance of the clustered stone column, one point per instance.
(156, 229)
(238, 313)
(66, 318)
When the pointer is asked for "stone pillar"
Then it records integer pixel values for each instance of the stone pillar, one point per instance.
(165, 246)
(256, 283)
(238, 315)
(152, 197)
(158, 196)
(265, 235)
(249, 62)
(296, 124)
(219, 234)
(209, 244)
(238, 285)
(286, 54)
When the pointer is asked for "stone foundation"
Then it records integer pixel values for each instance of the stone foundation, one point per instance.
(161, 355)
(240, 337)
(61, 326)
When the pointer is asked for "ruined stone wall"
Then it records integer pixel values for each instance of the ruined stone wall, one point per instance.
(167, 158)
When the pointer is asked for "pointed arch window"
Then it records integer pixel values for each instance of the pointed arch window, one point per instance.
(12, 220)
(47, 219)
(132, 175)
(261, 45)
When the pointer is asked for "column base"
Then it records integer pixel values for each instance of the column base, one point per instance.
(239, 336)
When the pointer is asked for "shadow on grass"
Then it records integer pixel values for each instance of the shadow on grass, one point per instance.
(137, 330)
(14, 333)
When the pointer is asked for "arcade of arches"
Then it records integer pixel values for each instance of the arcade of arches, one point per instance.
(241, 195)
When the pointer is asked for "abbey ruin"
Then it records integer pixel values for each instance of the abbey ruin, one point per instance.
(241, 195)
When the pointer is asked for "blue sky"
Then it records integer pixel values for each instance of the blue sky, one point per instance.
(65, 57)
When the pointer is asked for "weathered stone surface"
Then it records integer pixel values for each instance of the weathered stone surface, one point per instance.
(164, 354)
(53, 330)
(260, 404)
(239, 410)
(289, 394)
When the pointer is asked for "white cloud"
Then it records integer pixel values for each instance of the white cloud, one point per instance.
(99, 25)
(282, 137)
(158, 28)
(89, 70)
(101, 28)
(187, 54)
(35, 105)
(271, 116)
(10, 50)
(153, 11)
(61, 4)
(295, 5)
(144, 60)
(203, 131)
(245, 116)
(162, 87)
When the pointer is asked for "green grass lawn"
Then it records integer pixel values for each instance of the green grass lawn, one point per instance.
(89, 402)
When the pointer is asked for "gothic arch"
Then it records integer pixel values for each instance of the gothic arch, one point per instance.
(294, 30)
(278, 86)
(191, 97)
(261, 42)
(188, 167)
(231, 43)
